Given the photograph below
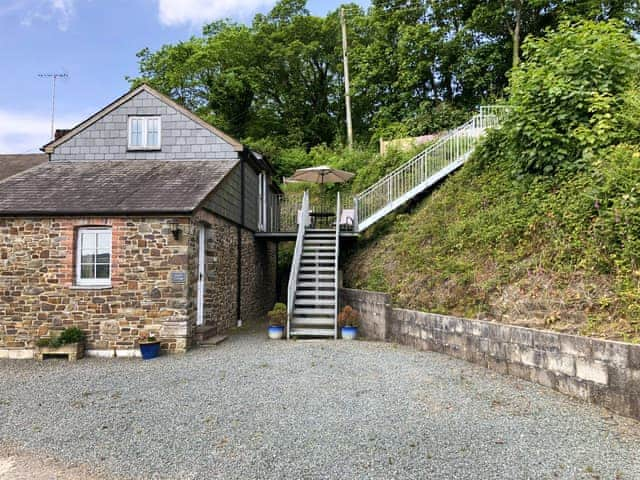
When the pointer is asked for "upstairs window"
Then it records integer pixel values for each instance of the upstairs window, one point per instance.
(144, 133)
(93, 261)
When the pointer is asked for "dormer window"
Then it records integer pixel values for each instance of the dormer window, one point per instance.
(144, 133)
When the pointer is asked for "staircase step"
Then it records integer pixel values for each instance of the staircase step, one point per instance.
(307, 254)
(312, 332)
(317, 241)
(328, 263)
(315, 302)
(313, 311)
(316, 289)
(323, 278)
(313, 321)
(327, 282)
(318, 248)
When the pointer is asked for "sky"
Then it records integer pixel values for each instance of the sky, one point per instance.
(95, 43)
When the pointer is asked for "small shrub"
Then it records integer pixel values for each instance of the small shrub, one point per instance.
(72, 335)
(349, 317)
(68, 336)
(147, 337)
(278, 315)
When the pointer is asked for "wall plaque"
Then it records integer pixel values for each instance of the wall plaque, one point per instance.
(178, 277)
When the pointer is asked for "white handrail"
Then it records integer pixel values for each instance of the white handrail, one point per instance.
(444, 155)
(297, 257)
(336, 272)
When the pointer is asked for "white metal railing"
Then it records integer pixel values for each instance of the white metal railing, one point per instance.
(297, 257)
(336, 269)
(409, 179)
(282, 212)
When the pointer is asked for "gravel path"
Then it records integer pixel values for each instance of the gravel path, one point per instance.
(251, 408)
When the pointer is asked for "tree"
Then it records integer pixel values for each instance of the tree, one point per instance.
(567, 96)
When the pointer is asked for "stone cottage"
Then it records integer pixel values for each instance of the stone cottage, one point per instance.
(144, 218)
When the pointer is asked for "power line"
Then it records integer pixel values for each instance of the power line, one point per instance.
(54, 77)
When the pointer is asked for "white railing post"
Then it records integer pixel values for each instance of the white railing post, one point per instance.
(453, 147)
(295, 263)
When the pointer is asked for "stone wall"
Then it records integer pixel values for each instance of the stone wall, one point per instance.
(374, 308)
(259, 264)
(181, 137)
(38, 296)
(258, 273)
(602, 372)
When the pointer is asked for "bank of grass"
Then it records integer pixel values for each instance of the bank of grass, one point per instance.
(559, 252)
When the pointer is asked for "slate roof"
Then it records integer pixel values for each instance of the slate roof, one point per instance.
(12, 164)
(111, 187)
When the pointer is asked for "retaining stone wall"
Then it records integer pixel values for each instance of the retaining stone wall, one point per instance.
(602, 372)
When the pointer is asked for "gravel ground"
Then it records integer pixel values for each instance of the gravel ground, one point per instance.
(252, 408)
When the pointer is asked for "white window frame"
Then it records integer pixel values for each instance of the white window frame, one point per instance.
(98, 282)
(145, 128)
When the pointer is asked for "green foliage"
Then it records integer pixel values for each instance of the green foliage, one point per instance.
(278, 315)
(349, 317)
(66, 337)
(566, 97)
(550, 202)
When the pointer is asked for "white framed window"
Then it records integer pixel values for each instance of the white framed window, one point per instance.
(144, 133)
(93, 256)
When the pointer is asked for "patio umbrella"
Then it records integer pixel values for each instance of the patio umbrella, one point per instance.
(323, 174)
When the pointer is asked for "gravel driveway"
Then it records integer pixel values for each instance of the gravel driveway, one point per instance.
(252, 408)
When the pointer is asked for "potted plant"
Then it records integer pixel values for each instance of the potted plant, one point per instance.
(349, 319)
(149, 345)
(277, 321)
(70, 342)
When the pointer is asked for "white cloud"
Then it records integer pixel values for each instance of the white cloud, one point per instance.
(30, 11)
(197, 12)
(26, 132)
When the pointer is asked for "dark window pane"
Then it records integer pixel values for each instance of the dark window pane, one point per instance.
(88, 258)
(87, 271)
(103, 258)
(102, 271)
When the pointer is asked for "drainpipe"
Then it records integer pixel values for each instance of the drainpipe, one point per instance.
(243, 157)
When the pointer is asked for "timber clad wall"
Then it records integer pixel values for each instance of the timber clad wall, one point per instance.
(602, 372)
(181, 137)
(250, 198)
(225, 201)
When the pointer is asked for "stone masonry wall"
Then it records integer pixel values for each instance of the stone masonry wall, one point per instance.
(374, 310)
(181, 137)
(38, 296)
(602, 372)
(258, 277)
(259, 266)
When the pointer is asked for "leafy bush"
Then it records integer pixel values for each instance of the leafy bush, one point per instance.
(278, 315)
(66, 337)
(568, 94)
(349, 317)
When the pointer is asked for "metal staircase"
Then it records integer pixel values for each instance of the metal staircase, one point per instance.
(312, 305)
(425, 169)
(313, 283)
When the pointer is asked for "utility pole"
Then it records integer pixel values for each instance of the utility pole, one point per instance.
(347, 94)
(54, 77)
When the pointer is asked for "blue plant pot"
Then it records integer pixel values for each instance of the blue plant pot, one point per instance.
(149, 350)
(349, 333)
(276, 332)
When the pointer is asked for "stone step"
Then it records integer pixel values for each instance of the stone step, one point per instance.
(312, 332)
(213, 341)
(204, 332)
